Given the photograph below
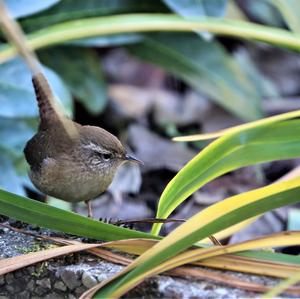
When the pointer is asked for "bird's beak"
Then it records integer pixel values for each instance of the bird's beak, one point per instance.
(133, 159)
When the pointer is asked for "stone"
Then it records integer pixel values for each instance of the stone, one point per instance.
(2, 281)
(18, 274)
(88, 280)
(71, 278)
(59, 285)
(30, 285)
(9, 278)
(53, 296)
(30, 270)
(24, 295)
(9, 288)
(79, 291)
(44, 283)
(101, 277)
(16, 285)
(40, 290)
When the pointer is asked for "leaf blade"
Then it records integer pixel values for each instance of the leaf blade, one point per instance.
(255, 144)
(33, 212)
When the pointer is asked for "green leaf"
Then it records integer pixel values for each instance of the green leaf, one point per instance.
(86, 28)
(75, 9)
(265, 142)
(34, 212)
(265, 12)
(198, 8)
(58, 203)
(17, 98)
(108, 41)
(190, 8)
(290, 10)
(206, 66)
(209, 221)
(282, 286)
(9, 180)
(81, 70)
(14, 134)
(23, 8)
(262, 85)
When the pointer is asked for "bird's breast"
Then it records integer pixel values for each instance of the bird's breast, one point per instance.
(69, 180)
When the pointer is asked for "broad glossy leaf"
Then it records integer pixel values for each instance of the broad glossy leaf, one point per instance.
(206, 66)
(17, 98)
(14, 134)
(34, 212)
(265, 87)
(80, 68)
(9, 179)
(75, 9)
(196, 8)
(108, 41)
(267, 142)
(23, 8)
(264, 12)
(290, 10)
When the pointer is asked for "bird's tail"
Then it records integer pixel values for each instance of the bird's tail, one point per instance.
(48, 108)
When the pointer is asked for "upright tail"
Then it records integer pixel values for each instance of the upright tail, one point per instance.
(48, 110)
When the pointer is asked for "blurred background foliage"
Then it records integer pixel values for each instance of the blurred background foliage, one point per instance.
(81, 72)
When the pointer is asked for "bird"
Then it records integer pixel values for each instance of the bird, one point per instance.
(67, 160)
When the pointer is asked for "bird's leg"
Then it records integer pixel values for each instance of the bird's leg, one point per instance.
(89, 206)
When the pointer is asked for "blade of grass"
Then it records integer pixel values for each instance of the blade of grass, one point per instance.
(211, 220)
(235, 228)
(203, 274)
(255, 144)
(274, 264)
(124, 281)
(91, 27)
(249, 125)
(225, 279)
(284, 285)
(34, 212)
(258, 266)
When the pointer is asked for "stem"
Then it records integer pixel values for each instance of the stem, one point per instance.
(92, 27)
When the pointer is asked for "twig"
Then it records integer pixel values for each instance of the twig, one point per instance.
(213, 239)
(146, 220)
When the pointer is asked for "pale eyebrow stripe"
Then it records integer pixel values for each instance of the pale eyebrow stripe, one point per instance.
(96, 148)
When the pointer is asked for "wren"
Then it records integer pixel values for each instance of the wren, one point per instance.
(67, 160)
(72, 167)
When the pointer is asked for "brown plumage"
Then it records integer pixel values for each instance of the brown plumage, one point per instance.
(73, 167)
(43, 95)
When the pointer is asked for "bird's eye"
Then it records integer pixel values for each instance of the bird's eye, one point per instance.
(106, 157)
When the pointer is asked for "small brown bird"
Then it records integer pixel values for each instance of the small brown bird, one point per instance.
(67, 160)
(73, 166)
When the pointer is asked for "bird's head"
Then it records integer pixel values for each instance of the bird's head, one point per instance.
(102, 150)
